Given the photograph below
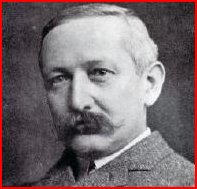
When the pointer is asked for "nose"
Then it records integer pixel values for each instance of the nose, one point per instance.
(80, 98)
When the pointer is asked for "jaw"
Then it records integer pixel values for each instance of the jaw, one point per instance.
(84, 144)
(97, 145)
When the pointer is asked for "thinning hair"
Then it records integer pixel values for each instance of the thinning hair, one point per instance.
(142, 48)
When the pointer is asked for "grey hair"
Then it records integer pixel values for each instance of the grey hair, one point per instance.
(142, 48)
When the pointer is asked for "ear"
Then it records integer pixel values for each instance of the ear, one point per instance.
(155, 76)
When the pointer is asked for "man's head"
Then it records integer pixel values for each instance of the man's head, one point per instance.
(101, 72)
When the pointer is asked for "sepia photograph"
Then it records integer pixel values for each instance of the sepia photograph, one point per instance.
(98, 94)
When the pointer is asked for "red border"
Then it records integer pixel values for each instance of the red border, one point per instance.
(1, 95)
(106, 1)
(76, 1)
(195, 87)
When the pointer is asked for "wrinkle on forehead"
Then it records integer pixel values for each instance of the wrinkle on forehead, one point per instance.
(101, 28)
(85, 34)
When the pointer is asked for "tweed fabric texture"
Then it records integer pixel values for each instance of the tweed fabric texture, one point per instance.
(151, 162)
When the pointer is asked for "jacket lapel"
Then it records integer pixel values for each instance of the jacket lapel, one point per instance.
(104, 177)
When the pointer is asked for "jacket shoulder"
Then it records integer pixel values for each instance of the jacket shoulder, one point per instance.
(175, 170)
(154, 163)
(172, 170)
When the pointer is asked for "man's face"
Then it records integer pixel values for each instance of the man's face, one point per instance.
(95, 96)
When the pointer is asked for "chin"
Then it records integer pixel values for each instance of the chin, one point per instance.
(92, 145)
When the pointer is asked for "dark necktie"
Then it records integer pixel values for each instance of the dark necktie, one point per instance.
(91, 166)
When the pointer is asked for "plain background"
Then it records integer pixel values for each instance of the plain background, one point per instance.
(30, 146)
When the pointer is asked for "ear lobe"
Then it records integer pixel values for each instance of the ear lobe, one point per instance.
(155, 77)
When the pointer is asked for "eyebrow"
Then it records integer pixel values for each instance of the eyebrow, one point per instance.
(58, 70)
(86, 65)
(91, 63)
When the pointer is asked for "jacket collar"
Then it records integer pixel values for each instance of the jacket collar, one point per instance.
(144, 155)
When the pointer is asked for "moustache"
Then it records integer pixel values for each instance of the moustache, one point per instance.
(87, 123)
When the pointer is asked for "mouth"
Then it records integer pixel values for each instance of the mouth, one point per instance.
(86, 129)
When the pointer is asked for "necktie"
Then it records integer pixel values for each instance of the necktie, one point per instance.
(91, 166)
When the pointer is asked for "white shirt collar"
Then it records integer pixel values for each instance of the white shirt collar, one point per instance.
(100, 162)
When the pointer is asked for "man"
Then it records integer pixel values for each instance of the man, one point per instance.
(101, 73)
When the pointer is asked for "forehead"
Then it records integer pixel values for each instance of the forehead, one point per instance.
(86, 38)
(87, 29)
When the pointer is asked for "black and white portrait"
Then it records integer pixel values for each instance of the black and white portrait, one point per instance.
(98, 94)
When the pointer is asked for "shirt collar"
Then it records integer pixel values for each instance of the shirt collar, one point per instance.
(100, 162)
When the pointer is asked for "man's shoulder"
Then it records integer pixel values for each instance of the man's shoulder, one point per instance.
(159, 165)
(171, 171)
(58, 175)
(176, 169)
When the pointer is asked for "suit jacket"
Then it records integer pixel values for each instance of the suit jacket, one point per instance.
(151, 162)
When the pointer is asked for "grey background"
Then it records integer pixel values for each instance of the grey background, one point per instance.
(30, 145)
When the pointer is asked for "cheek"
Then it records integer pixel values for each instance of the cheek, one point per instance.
(122, 100)
(57, 104)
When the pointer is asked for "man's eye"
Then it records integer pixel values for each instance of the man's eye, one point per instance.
(57, 79)
(100, 74)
